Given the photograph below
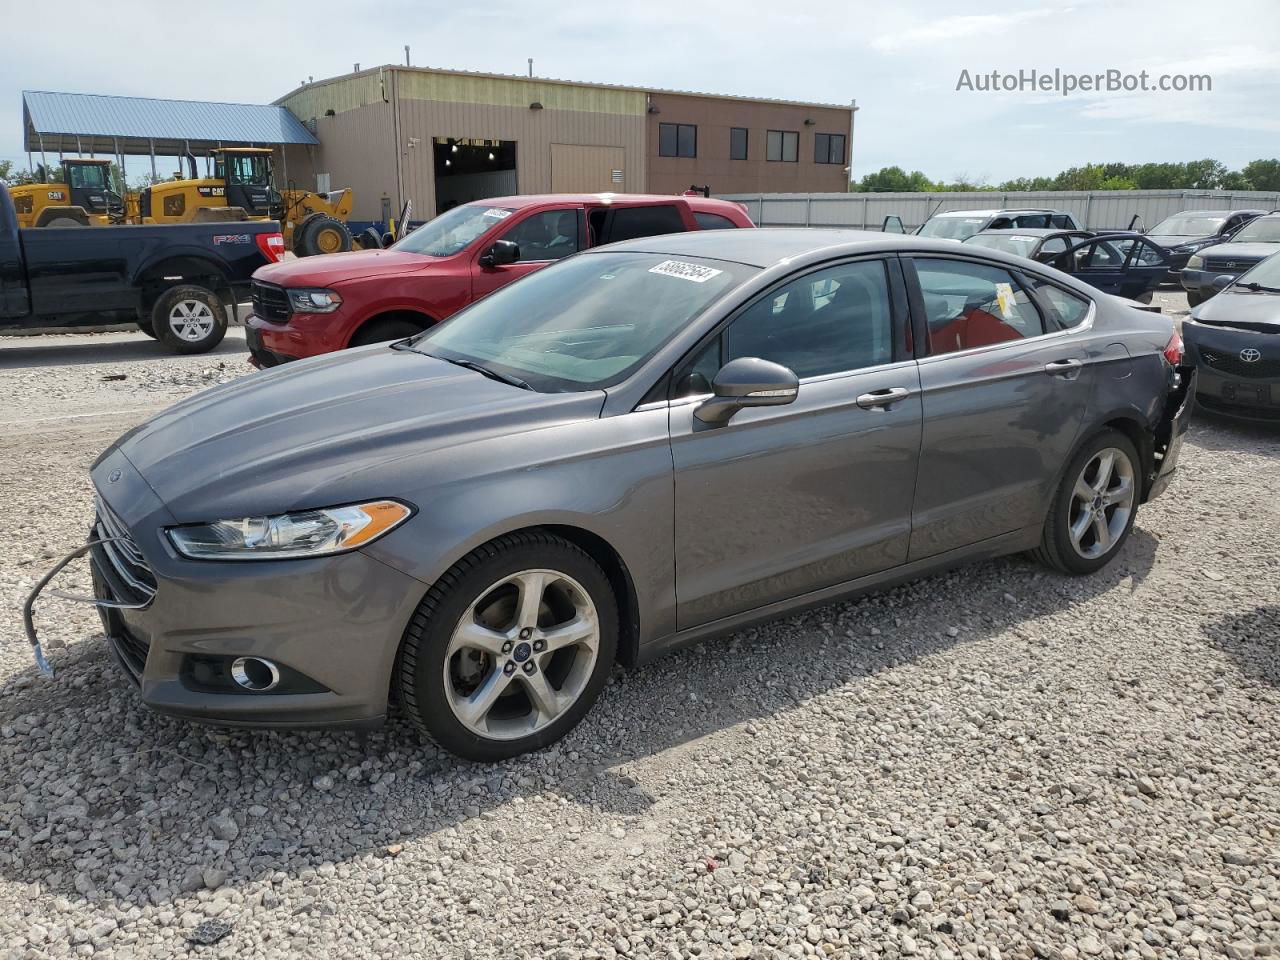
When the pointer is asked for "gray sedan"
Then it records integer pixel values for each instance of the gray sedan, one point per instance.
(635, 448)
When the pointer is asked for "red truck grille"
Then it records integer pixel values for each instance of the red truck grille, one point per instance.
(270, 302)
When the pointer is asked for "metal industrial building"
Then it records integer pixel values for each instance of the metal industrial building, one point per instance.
(441, 137)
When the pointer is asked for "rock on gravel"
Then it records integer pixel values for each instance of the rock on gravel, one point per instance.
(998, 762)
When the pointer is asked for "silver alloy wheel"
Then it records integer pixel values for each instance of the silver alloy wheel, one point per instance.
(1101, 503)
(191, 320)
(522, 654)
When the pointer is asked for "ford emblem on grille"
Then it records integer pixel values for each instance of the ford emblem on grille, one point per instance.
(1250, 354)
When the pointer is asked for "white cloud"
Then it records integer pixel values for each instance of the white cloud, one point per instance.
(948, 29)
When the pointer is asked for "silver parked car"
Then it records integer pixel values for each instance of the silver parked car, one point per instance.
(627, 451)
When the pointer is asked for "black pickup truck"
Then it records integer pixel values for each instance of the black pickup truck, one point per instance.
(175, 281)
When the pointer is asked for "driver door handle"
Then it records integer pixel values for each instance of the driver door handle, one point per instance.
(1066, 369)
(882, 398)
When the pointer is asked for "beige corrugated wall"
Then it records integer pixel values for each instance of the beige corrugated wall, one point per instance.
(578, 169)
(360, 147)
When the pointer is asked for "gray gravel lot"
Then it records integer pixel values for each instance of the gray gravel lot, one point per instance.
(993, 763)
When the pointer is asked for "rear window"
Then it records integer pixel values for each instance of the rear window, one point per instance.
(628, 223)
(953, 228)
(713, 221)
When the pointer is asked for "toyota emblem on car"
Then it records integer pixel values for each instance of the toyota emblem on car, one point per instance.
(1250, 354)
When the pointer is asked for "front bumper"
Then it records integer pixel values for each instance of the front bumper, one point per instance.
(1229, 385)
(302, 335)
(332, 624)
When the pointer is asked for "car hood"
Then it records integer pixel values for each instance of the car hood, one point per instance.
(315, 433)
(1245, 309)
(334, 268)
(1243, 250)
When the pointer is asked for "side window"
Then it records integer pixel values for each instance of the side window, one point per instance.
(1147, 255)
(631, 222)
(1032, 221)
(713, 221)
(1062, 220)
(677, 140)
(782, 146)
(1065, 309)
(1051, 247)
(1103, 255)
(550, 235)
(737, 143)
(971, 305)
(828, 321)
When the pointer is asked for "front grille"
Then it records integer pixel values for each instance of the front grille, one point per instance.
(122, 564)
(1266, 368)
(1235, 264)
(270, 302)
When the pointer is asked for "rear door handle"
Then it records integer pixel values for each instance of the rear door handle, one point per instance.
(1066, 369)
(882, 398)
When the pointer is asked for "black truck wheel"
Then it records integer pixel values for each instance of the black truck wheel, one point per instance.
(189, 319)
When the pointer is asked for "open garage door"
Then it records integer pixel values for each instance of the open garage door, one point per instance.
(587, 169)
(469, 169)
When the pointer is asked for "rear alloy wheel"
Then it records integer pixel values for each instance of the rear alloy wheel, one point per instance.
(510, 649)
(1095, 506)
(189, 319)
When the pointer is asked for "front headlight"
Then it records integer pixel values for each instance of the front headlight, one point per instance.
(1195, 262)
(314, 301)
(306, 533)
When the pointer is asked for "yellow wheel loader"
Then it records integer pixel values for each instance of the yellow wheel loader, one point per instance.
(78, 194)
(242, 188)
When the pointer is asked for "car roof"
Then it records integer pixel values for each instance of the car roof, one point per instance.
(997, 210)
(767, 246)
(538, 199)
(1215, 213)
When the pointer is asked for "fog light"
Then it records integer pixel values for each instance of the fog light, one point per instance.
(255, 674)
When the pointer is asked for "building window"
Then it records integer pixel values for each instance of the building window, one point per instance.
(828, 148)
(737, 143)
(782, 146)
(677, 140)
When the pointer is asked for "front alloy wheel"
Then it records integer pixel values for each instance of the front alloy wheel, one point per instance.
(510, 647)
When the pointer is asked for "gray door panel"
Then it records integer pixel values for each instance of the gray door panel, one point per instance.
(784, 500)
(997, 429)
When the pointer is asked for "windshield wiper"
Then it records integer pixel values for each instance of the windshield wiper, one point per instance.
(486, 371)
(1252, 285)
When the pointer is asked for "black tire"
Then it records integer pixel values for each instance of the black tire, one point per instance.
(420, 667)
(1057, 549)
(380, 331)
(192, 296)
(145, 325)
(1194, 299)
(321, 235)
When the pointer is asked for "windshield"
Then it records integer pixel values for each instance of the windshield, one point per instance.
(452, 232)
(1262, 230)
(1264, 274)
(90, 175)
(250, 169)
(953, 228)
(1020, 246)
(584, 323)
(1180, 225)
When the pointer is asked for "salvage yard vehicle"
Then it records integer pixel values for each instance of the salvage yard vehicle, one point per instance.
(1234, 340)
(633, 449)
(306, 309)
(1125, 264)
(176, 283)
(962, 224)
(243, 188)
(1248, 246)
(81, 196)
(1188, 231)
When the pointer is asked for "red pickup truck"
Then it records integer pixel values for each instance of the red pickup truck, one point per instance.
(303, 308)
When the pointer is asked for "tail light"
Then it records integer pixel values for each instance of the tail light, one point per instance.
(1173, 350)
(272, 246)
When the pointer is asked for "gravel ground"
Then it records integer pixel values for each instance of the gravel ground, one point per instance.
(997, 762)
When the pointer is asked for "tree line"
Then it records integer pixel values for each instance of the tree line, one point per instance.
(1192, 175)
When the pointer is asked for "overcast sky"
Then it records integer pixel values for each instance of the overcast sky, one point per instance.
(901, 61)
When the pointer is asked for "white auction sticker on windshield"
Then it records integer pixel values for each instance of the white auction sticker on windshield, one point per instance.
(686, 271)
(497, 213)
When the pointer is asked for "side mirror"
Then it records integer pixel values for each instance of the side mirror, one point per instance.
(500, 254)
(747, 382)
(1222, 281)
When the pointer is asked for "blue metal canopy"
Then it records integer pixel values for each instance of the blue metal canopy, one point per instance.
(97, 123)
